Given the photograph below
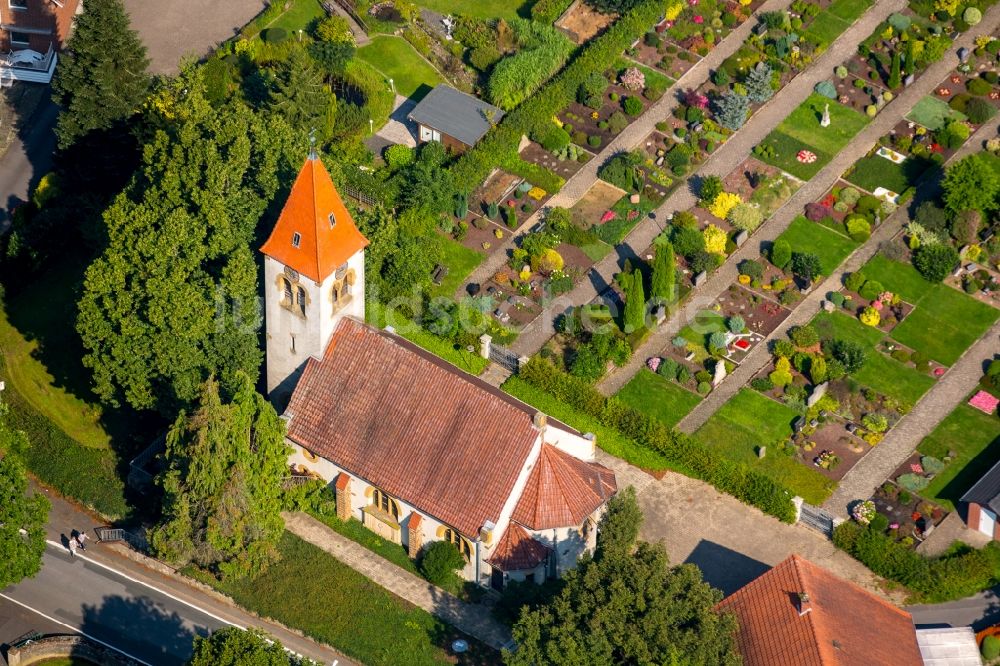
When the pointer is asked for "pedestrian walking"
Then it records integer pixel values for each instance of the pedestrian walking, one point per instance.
(81, 539)
(72, 546)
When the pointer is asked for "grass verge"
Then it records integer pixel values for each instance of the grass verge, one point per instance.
(972, 439)
(653, 395)
(393, 56)
(811, 237)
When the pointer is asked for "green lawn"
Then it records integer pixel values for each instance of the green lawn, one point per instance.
(806, 236)
(882, 373)
(873, 172)
(653, 395)
(849, 10)
(312, 591)
(750, 420)
(299, 16)
(944, 321)
(393, 56)
(975, 439)
(460, 261)
(608, 439)
(801, 130)
(470, 362)
(826, 28)
(506, 9)
(933, 113)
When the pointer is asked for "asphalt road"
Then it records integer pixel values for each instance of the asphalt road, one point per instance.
(978, 611)
(95, 600)
(28, 158)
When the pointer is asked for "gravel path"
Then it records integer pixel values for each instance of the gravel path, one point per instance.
(726, 275)
(721, 162)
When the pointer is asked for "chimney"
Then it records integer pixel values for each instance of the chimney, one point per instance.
(804, 605)
(539, 420)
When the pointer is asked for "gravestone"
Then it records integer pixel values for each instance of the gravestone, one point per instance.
(741, 238)
(700, 279)
(660, 314)
(828, 306)
(720, 372)
(910, 78)
(963, 55)
(633, 199)
(817, 393)
(761, 451)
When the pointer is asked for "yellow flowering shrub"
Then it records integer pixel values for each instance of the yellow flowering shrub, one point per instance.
(674, 10)
(715, 239)
(744, 279)
(536, 193)
(982, 41)
(725, 202)
(498, 233)
(870, 316)
(525, 274)
(547, 262)
(950, 6)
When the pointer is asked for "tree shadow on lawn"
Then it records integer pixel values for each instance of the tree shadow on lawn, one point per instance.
(723, 567)
(970, 474)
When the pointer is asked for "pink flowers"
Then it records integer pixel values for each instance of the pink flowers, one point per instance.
(893, 526)
(886, 297)
(608, 216)
(938, 372)
(696, 99)
(699, 19)
(806, 156)
(916, 468)
(692, 3)
(653, 363)
(984, 402)
(943, 92)
(877, 304)
(632, 214)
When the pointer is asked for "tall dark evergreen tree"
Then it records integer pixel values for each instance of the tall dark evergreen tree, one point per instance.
(635, 302)
(101, 79)
(301, 96)
(222, 489)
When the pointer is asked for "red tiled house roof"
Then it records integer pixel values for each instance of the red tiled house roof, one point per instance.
(517, 551)
(402, 419)
(562, 490)
(846, 625)
(323, 246)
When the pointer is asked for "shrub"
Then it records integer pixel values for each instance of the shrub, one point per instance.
(901, 355)
(667, 368)
(623, 171)
(879, 523)
(782, 374)
(547, 11)
(972, 16)
(555, 140)
(398, 155)
(762, 384)
(806, 266)
(274, 35)
(440, 561)
(617, 122)
(632, 106)
(826, 89)
(804, 336)
(867, 205)
(858, 228)
(991, 644)
(871, 289)
(704, 388)
(935, 262)
(817, 211)
(594, 141)
(913, 482)
(484, 57)
(709, 190)
(978, 87)
(781, 254)
(837, 299)
(849, 195)
(723, 203)
(752, 268)
(979, 110)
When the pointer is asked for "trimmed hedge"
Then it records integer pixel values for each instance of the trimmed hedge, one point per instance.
(680, 449)
(499, 146)
(959, 573)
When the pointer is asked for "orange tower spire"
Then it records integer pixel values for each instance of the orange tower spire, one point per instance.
(315, 233)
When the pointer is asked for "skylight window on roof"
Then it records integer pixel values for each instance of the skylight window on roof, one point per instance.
(296, 239)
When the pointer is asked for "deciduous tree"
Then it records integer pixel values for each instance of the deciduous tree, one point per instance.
(232, 646)
(173, 297)
(626, 606)
(222, 486)
(935, 262)
(101, 79)
(971, 183)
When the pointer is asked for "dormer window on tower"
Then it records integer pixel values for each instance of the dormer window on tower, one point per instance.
(296, 239)
(333, 220)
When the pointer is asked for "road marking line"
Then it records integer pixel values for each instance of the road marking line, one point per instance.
(73, 629)
(56, 544)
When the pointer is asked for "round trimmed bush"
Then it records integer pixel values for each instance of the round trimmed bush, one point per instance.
(871, 289)
(991, 647)
(632, 106)
(440, 561)
(398, 155)
(972, 16)
(978, 87)
(960, 101)
(594, 141)
(704, 388)
(978, 110)
(849, 195)
(858, 228)
(555, 139)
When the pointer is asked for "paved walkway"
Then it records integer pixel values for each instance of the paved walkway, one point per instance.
(472, 619)
(582, 180)
(720, 163)
(811, 191)
(928, 188)
(882, 461)
(951, 529)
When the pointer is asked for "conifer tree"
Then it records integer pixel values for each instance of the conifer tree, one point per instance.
(895, 74)
(635, 302)
(101, 79)
(758, 83)
(222, 486)
(664, 273)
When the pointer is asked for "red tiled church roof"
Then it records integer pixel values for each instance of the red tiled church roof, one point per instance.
(517, 550)
(411, 424)
(323, 246)
(562, 490)
(845, 625)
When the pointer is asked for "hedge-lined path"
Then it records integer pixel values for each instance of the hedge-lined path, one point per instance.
(804, 312)
(811, 191)
(872, 470)
(720, 163)
(631, 136)
(472, 619)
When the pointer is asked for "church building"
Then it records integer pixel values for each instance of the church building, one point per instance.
(416, 449)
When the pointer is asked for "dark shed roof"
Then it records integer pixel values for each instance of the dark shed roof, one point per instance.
(987, 490)
(455, 113)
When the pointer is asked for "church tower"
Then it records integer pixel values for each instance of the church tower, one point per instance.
(314, 274)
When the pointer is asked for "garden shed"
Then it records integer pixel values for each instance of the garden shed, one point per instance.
(456, 119)
(983, 501)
